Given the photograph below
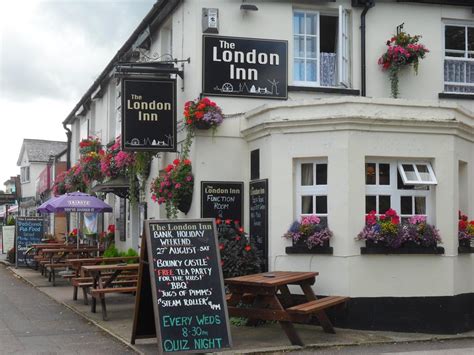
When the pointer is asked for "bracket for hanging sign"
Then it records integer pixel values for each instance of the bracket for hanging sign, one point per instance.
(400, 28)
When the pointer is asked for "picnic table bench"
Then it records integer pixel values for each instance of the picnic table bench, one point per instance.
(103, 285)
(270, 299)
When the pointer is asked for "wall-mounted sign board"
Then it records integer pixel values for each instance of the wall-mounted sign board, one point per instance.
(222, 199)
(181, 278)
(245, 67)
(149, 115)
(258, 221)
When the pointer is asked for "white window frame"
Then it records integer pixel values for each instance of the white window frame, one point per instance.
(310, 190)
(419, 180)
(307, 82)
(343, 49)
(465, 58)
(24, 171)
(396, 194)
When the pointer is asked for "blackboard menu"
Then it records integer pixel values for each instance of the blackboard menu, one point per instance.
(222, 200)
(187, 284)
(29, 230)
(258, 226)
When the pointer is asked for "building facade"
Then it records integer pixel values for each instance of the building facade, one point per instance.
(305, 113)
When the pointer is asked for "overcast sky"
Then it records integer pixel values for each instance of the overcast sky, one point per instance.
(51, 51)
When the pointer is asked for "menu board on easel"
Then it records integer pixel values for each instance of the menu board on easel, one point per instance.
(29, 230)
(181, 277)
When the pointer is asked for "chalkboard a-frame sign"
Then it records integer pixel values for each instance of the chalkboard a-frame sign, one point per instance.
(180, 276)
(29, 230)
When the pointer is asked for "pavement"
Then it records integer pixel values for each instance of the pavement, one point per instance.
(268, 338)
(32, 323)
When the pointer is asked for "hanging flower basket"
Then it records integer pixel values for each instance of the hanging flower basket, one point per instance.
(202, 114)
(403, 51)
(184, 204)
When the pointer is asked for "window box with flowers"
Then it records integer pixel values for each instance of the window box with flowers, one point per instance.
(309, 236)
(202, 114)
(465, 234)
(385, 234)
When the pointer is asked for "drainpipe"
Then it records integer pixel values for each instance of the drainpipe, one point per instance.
(368, 5)
(68, 152)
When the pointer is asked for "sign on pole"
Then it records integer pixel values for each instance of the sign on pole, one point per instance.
(149, 115)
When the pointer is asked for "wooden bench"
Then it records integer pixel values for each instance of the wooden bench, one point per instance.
(317, 305)
(100, 292)
(86, 282)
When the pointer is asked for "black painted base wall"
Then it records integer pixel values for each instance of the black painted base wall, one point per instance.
(435, 315)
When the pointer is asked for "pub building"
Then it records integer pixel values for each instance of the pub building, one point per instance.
(310, 127)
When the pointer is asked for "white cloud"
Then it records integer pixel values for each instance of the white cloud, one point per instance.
(50, 53)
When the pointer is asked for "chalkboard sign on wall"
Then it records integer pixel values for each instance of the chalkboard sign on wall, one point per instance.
(187, 287)
(222, 200)
(29, 230)
(258, 225)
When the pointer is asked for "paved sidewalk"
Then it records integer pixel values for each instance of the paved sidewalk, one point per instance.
(32, 323)
(268, 338)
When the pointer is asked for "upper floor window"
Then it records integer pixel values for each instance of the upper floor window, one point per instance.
(25, 174)
(459, 58)
(321, 48)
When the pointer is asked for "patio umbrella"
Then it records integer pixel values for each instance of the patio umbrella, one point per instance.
(74, 202)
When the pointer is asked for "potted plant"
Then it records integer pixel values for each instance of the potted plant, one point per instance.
(465, 230)
(238, 253)
(202, 114)
(308, 233)
(90, 144)
(174, 188)
(402, 51)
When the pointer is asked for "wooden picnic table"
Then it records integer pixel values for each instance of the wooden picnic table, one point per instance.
(270, 299)
(100, 286)
(78, 278)
(57, 257)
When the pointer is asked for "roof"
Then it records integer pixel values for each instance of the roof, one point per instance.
(39, 150)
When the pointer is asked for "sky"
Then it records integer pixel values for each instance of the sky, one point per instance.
(51, 51)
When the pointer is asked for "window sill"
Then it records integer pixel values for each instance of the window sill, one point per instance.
(403, 250)
(445, 95)
(465, 250)
(304, 250)
(328, 90)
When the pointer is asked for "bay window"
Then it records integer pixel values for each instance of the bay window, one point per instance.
(321, 48)
(312, 188)
(406, 187)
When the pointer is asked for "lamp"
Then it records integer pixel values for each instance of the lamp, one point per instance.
(248, 7)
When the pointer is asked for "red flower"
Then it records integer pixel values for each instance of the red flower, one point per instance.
(176, 161)
(241, 230)
(201, 106)
(462, 225)
(199, 115)
(169, 168)
(395, 220)
(187, 162)
(228, 221)
(248, 248)
(221, 246)
(218, 221)
(237, 238)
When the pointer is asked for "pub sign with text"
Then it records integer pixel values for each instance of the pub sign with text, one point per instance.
(245, 67)
(149, 115)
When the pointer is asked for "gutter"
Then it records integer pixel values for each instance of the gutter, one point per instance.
(68, 148)
(363, 69)
(152, 18)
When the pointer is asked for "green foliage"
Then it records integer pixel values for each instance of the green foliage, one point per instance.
(238, 253)
(11, 220)
(111, 252)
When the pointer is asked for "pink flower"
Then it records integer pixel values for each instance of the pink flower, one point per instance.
(313, 219)
(153, 197)
(189, 178)
(177, 186)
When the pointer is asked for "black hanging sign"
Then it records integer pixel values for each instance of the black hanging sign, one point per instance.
(149, 115)
(246, 67)
(258, 225)
(222, 200)
(185, 274)
(29, 230)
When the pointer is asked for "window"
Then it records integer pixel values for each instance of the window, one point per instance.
(386, 187)
(25, 174)
(312, 188)
(321, 48)
(459, 58)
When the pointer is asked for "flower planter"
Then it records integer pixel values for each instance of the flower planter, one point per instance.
(300, 247)
(465, 246)
(184, 204)
(465, 243)
(407, 248)
(202, 125)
